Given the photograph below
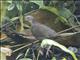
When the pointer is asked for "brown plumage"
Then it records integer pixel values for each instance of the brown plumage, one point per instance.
(41, 31)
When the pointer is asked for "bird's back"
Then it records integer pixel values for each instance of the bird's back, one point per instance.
(41, 31)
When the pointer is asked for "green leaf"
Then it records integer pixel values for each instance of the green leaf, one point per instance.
(62, 19)
(19, 56)
(2, 56)
(54, 58)
(64, 58)
(62, 14)
(19, 6)
(11, 7)
(39, 2)
(27, 52)
(25, 59)
(51, 9)
(14, 18)
(52, 42)
(57, 12)
(3, 9)
(22, 24)
(65, 13)
(9, 1)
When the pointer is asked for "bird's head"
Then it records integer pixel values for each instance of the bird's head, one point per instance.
(29, 18)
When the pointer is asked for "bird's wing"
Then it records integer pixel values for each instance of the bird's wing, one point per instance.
(42, 31)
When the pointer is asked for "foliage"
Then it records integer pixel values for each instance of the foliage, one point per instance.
(64, 10)
(57, 7)
(16, 9)
(46, 43)
(51, 42)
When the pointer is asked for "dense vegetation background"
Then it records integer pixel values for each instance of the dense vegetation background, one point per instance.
(57, 15)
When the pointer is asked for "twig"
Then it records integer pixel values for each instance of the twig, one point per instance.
(68, 29)
(17, 45)
(26, 46)
(68, 34)
(30, 12)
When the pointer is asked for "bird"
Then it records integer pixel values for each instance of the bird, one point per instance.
(41, 32)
